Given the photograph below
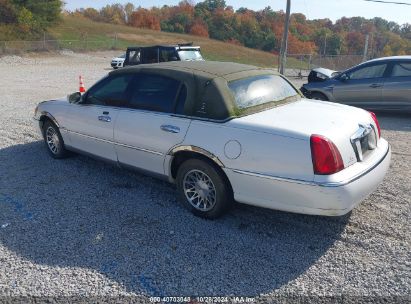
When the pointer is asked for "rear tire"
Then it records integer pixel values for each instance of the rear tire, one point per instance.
(319, 96)
(203, 189)
(53, 140)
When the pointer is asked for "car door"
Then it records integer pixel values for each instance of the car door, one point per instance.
(396, 93)
(361, 86)
(90, 123)
(148, 128)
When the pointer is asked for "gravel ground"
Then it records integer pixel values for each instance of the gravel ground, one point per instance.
(80, 227)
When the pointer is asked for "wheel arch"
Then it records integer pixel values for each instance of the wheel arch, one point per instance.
(180, 154)
(312, 92)
(44, 116)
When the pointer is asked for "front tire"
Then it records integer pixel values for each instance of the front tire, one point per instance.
(203, 189)
(53, 140)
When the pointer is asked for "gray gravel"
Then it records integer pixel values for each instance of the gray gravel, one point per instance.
(80, 227)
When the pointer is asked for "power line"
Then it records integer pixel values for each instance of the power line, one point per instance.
(389, 2)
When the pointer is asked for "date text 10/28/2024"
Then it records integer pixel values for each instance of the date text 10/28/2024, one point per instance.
(201, 299)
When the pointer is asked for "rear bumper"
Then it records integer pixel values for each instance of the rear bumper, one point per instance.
(333, 197)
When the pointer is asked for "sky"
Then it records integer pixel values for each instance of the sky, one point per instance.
(313, 9)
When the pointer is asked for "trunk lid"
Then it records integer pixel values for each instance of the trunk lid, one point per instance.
(303, 118)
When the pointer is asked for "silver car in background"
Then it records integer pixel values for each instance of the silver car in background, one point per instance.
(379, 84)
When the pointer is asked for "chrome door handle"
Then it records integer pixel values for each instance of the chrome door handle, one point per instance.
(104, 118)
(170, 128)
(375, 85)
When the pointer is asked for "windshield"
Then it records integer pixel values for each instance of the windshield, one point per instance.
(122, 56)
(193, 54)
(258, 90)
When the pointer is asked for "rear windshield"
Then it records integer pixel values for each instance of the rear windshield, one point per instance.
(259, 90)
(193, 54)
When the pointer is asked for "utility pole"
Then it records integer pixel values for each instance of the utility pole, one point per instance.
(364, 57)
(284, 42)
(325, 44)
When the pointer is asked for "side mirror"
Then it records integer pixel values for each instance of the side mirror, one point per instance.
(74, 98)
(343, 77)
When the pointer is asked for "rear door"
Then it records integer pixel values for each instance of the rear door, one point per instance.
(90, 124)
(148, 128)
(396, 93)
(362, 86)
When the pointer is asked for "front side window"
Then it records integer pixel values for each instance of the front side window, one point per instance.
(111, 91)
(168, 54)
(259, 90)
(373, 71)
(154, 93)
(402, 69)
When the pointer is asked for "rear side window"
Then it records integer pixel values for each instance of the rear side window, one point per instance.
(258, 90)
(150, 55)
(402, 69)
(111, 91)
(154, 93)
(134, 57)
(374, 71)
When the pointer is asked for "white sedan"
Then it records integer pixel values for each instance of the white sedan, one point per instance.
(224, 133)
(118, 62)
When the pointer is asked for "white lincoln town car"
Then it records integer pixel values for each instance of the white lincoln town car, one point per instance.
(223, 133)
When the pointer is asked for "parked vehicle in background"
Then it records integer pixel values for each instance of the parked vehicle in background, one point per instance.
(379, 84)
(162, 53)
(117, 62)
(321, 74)
(222, 132)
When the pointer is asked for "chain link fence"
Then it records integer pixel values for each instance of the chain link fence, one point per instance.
(299, 65)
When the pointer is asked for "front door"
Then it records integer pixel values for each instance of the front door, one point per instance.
(362, 86)
(147, 129)
(90, 123)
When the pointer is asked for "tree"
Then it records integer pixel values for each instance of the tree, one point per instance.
(198, 28)
(144, 18)
(29, 18)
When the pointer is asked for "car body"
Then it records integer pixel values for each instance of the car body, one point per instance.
(118, 62)
(245, 131)
(379, 84)
(162, 53)
(321, 74)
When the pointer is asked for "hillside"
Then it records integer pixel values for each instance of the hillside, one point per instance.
(79, 32)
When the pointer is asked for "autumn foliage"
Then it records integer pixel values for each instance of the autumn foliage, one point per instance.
(263, 29)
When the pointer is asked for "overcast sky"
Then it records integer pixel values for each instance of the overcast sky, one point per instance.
(313, 9)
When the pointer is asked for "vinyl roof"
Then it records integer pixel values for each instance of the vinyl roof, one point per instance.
(213, 68)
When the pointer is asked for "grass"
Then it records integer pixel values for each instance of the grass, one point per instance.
(96, 36)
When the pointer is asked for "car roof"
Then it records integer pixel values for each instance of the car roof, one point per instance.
(404, 57)
(182, 46)
(211, 68)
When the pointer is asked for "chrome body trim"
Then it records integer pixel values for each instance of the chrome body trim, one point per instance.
(114, 143)
(355, 139)
(196, 150)
(170, 128)
(313, 183)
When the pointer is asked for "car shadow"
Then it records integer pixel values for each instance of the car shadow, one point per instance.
(79, 212)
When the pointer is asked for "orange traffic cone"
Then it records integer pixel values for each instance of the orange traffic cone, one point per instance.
(82, 88)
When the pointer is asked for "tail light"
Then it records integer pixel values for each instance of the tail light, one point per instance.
(374, 117)
(325, 155)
